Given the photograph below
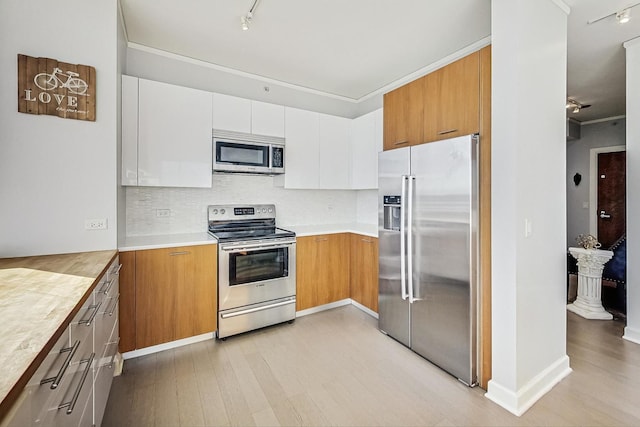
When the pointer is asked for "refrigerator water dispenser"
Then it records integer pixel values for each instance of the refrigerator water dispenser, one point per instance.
(392, 213)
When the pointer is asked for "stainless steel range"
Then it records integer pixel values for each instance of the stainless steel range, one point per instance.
(256, 268)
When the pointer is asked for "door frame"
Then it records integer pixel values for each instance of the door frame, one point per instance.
(593, 183)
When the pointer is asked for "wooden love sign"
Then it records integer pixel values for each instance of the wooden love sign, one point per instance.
(46, 86)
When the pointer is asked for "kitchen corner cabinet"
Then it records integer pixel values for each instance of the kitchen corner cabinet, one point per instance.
(175, 295)
(364, 271)
(322, 269)
(403, 115)
(452, 100)
(167, 140)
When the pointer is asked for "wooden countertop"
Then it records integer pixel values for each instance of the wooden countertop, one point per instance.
(39, 295)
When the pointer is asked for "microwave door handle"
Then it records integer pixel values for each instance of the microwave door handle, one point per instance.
(270, 156)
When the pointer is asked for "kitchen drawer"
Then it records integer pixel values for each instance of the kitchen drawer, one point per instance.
(109, 334)
(73, 389)
(109, 283)
(104, 323)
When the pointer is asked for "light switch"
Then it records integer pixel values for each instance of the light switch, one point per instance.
(528, 228)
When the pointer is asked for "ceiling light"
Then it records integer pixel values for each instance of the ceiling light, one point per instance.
(245, 20)
(575, 106)
(623, 16)
(576, 109)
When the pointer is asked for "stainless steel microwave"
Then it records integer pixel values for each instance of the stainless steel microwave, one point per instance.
(247, 153)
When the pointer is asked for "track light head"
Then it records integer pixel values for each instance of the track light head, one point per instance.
(624, 16)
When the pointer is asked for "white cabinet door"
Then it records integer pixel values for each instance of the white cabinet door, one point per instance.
(174, 136)
(334, 152)
(129, 130)
(366, 142)
(231, 113)
(302, 148)
(267, 119)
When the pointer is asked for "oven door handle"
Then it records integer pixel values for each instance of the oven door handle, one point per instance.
(232, 248)
(253, 310)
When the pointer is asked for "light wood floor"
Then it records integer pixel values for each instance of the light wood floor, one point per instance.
(336, 368)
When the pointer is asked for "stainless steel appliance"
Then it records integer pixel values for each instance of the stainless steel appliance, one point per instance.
(256, 268)
(428, 298)
(247, 153)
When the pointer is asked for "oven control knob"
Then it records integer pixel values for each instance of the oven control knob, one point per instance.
(270, 210)
(215, 211)
(264, 210)
(222, 211)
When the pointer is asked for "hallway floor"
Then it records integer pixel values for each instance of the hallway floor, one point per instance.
(336, 368)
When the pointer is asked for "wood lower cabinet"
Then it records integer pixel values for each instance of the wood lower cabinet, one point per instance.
(174, 293)
(322, 268)
(364, 271)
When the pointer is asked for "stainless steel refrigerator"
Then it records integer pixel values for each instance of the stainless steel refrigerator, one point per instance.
(428, 236)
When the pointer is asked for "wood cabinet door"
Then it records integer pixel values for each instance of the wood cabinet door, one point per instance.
(403, 116)
(127, 302)
(306, 272)
(364, 271)
(333, 283)
(175, 293)
(452, 99)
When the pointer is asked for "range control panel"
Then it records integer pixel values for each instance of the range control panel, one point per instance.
(240, 212)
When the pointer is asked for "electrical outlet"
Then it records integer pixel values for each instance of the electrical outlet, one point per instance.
(95, 224)
(163, 213)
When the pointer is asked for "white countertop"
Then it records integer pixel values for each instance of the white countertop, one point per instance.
(370, 230)
(136, 243)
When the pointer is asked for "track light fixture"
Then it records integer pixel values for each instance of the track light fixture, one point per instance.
(623, 16)
(575, 106)
(245, 20)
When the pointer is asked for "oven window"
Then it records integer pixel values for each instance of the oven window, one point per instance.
(254, 266)
(242, 154)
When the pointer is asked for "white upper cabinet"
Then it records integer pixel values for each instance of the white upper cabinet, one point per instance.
(366, 142)
(267, 119)
(334, 156)
(302, 147)
(174, 136)
(129, 130)
(231, 113)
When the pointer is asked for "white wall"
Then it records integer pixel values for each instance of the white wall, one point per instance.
(529, 51)
(604, 134)
(189, 205)
(632, 331)
(54, 172)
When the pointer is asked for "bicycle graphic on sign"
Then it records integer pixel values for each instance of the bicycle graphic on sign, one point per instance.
(46, 81)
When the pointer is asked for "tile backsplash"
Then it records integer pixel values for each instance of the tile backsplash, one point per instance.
(162, 210)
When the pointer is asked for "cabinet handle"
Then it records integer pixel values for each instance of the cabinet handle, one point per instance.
(179, 253)
(322, 239)
(89, 321)
(72, 403)
(117, 270)
(367, 240)
(444, 132)
(56, 380)
(114, 306)
(108, 286)
(401, 142)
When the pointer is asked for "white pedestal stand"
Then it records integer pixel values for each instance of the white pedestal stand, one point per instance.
(591, 262)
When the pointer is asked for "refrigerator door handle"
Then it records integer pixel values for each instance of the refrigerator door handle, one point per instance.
(410, 239)
(403, 242)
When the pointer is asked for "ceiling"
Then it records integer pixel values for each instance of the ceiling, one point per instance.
(353, 49)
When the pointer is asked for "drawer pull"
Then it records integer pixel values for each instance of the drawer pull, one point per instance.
(179, 253)
(401, 142)
(56, 380)
(322, 239)
(117, 270)
(72, 403)
(109, 284)
(89, 321)
(114, 306)
(367, 240)
(444, 132)
(255, 309)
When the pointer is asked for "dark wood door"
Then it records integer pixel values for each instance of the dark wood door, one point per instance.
(611, 197)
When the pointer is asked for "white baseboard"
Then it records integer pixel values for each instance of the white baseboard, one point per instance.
(365, 309)
(631, 334)
(519, 401)
(323, 307)
(166, 346)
